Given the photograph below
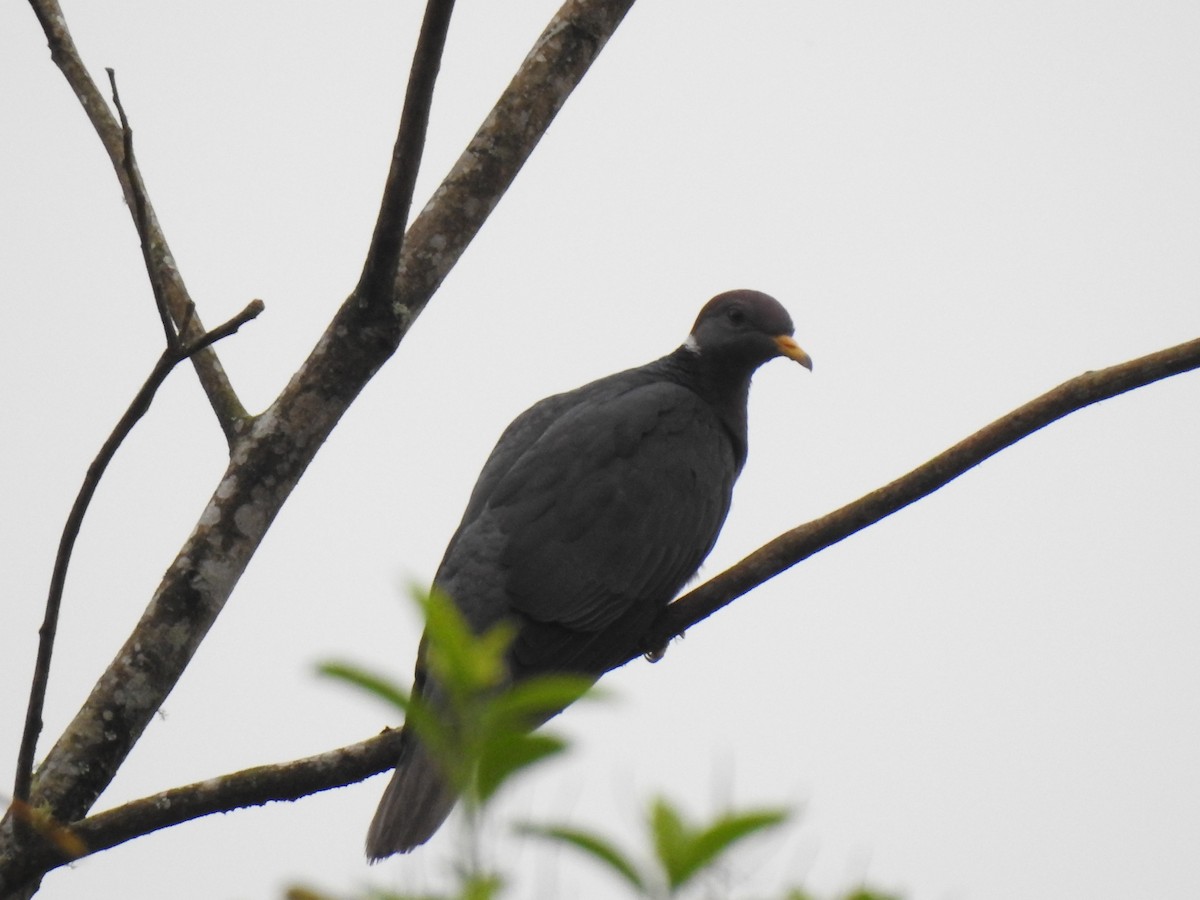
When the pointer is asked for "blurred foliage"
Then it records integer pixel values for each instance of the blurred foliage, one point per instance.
(479, 727)
(681, 851)
(482, 729)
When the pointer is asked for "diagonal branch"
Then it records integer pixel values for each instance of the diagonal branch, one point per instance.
(231, 415)
(346, 765)
(141, 222)
(805, 540)
(383, 258)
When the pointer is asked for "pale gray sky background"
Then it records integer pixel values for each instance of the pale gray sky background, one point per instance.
(993, 694)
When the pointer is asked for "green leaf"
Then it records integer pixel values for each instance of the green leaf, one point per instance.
(594, 846)
(533, 701)
(417, 713)
(378, 685)
(503, 755)
(703, 848)
(671, 839)
(481, 887)
(463, 662)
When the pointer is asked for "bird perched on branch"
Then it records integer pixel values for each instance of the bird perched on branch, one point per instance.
(594, 509)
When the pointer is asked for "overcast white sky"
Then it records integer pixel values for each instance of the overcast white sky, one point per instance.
(993, 694)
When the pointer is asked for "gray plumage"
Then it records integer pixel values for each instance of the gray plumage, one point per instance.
(594, 509)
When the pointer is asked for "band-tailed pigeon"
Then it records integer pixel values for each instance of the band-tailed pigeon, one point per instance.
(594, 509)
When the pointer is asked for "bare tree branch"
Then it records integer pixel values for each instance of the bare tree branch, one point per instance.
(171, 357)
(141, 222)
(346, 765)
(805, 540)
(466, 197)
(160, 263)
(383, 258)
(256, 786)
(252, 310)
(275, 448)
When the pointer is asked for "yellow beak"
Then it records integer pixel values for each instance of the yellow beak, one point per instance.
(792, 350)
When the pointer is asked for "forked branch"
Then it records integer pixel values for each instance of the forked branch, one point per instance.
(160, 264)
(170, 358)
(178, 348)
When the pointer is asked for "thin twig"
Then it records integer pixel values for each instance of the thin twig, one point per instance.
(231, 414)
(170, 358)
(383, 257)
(141, 222)
(191, 348)
(346, 765)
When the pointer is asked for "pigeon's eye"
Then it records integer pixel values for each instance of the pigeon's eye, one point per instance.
(736, 315)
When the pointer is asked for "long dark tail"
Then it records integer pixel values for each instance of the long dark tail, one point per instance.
(414, 806)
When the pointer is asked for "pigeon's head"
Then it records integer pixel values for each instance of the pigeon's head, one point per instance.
(745, 329)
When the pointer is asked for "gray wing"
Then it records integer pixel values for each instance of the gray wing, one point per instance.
(589, 524)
